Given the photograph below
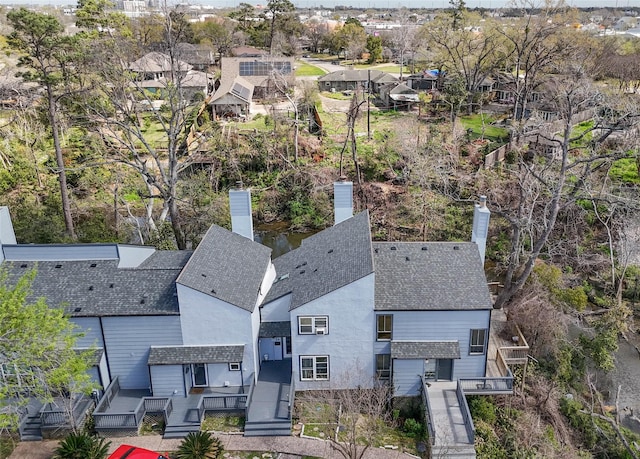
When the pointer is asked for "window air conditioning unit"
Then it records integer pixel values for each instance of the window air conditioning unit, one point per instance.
(321, 331)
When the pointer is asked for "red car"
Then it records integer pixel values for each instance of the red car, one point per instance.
(133, 452)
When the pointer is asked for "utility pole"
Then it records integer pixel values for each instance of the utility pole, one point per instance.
(369, 104)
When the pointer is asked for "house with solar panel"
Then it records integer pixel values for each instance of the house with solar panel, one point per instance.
(179, 334)
(267, 74)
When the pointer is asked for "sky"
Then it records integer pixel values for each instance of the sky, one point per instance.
(315, 4)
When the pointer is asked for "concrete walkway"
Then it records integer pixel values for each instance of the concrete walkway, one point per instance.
(289, 446)
(452, 439)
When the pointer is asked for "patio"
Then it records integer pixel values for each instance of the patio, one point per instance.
(121, 411)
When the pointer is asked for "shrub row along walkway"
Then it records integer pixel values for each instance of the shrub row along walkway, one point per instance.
(291, 446)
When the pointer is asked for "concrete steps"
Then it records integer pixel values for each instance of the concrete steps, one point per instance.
(31, 428)
(453, 452)
(180, 431)
(275, 428)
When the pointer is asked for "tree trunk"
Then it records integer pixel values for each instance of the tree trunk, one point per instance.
(62, 175)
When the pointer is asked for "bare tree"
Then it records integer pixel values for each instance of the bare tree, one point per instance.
(123, 109)
(352, 414)
(542, 188)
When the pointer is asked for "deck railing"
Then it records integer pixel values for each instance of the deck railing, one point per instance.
(428, 414)
(466, 414)
(477, 386)
(227, 402)
(249, 399)
(52, 415)
(129, 419)
(292, 395)
(109, 393)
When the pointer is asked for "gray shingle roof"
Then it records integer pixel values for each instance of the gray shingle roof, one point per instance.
(227, 266)
(178, 355)
(99, 288)
(425, 350)
(325, 262)
(357, 75)
(429, 276)
(167, 259)
(274, 329)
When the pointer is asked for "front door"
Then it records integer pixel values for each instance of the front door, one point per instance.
(444, 369)
(199, 372)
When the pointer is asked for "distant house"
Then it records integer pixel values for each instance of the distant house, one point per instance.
(248, 51)
(425, 81)
(155, 71)
(183, 333)
(352, 79)
(200, 57)
(232, 98)
(398, 95)
(268, 75)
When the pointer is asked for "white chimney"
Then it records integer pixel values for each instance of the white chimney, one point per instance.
(240, 206)
(7, 235)
(480, 229)
(342, 201)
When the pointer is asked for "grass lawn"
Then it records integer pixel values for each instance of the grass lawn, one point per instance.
(625, 171)
(336, 95)
(480, 124)
(227, 423)
(318, 430)
(303, 69)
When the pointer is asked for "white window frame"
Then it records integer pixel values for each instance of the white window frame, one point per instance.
(312, 324)
(383, 374)
(475, 347)
(309, 363)
(379, 331)
(234, 366)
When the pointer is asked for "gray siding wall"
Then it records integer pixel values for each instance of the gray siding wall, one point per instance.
(166, 379)
(445, 326)
(128, 340)
(209, 321)
(90, 326)
(349, 343)
(219, 375)
(406, 377)
(277, 310)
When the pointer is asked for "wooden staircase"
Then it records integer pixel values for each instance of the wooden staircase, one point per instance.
(31, 425)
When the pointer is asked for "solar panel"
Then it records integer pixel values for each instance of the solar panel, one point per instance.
(255, 68)
(240, 91)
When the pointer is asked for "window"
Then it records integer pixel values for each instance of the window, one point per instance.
(314, 325)
(314, 368)
(383, 366)
(234, 366)
(477, 341)
(384, 327)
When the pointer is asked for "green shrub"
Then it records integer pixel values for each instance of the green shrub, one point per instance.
(200, 445)
(413, 428)
(481, 407)
(82, 446)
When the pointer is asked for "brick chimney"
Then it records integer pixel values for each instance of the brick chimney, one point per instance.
(480, 229)
(240, 206)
